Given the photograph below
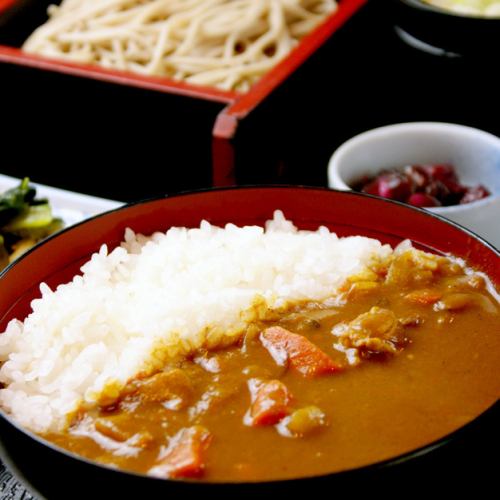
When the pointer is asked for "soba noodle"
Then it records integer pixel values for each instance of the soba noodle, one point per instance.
(229, 44)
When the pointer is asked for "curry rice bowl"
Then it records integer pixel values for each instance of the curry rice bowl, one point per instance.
(157, 297)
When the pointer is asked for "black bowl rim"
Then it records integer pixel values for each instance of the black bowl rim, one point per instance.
(371, 467)
(445, 13)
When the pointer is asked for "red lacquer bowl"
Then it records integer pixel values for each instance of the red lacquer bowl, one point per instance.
(60, 257)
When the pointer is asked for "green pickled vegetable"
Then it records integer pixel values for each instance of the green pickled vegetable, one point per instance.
(32, 217)
(15, 200)
(24, 220)
(40, 232)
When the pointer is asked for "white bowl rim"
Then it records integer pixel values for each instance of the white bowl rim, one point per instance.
(336, 182)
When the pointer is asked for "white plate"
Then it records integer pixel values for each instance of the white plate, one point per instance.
(71, 207)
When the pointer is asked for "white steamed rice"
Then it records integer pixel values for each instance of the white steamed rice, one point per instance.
(161, 296)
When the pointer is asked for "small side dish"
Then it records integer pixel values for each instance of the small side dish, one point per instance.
(24, 220)
(431, 147)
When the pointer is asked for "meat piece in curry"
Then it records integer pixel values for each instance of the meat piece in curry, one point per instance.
(406, 354)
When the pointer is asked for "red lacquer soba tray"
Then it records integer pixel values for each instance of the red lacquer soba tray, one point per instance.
(236, 105)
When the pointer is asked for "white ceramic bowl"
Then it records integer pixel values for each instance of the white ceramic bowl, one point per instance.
(474, 153)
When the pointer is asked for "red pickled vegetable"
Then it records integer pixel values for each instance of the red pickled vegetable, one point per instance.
(456, 188)
(423, 200)
(474, 194)
(417, 176)
(441, 172)
(422, 186)
(395, 186)
(437, 190)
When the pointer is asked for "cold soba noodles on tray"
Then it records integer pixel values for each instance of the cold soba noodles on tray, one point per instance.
(228, 44)
(215, 352)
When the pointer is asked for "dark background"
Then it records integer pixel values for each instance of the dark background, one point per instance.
(124, 143)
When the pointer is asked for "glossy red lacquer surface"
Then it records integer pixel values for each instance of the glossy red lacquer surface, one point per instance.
(13, 55)
(6, 4)
(60, 257)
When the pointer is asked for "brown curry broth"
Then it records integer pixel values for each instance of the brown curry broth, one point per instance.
(446, 375)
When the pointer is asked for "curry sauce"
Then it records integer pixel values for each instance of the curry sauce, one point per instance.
(401, 357)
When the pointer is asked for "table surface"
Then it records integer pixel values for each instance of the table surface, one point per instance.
(10, 488)
(365, 77)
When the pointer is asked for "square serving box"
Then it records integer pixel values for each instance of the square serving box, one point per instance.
(122, 135)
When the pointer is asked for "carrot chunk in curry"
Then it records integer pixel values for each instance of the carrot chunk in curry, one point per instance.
(270, 402)
(184, 454)
(298, 352)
